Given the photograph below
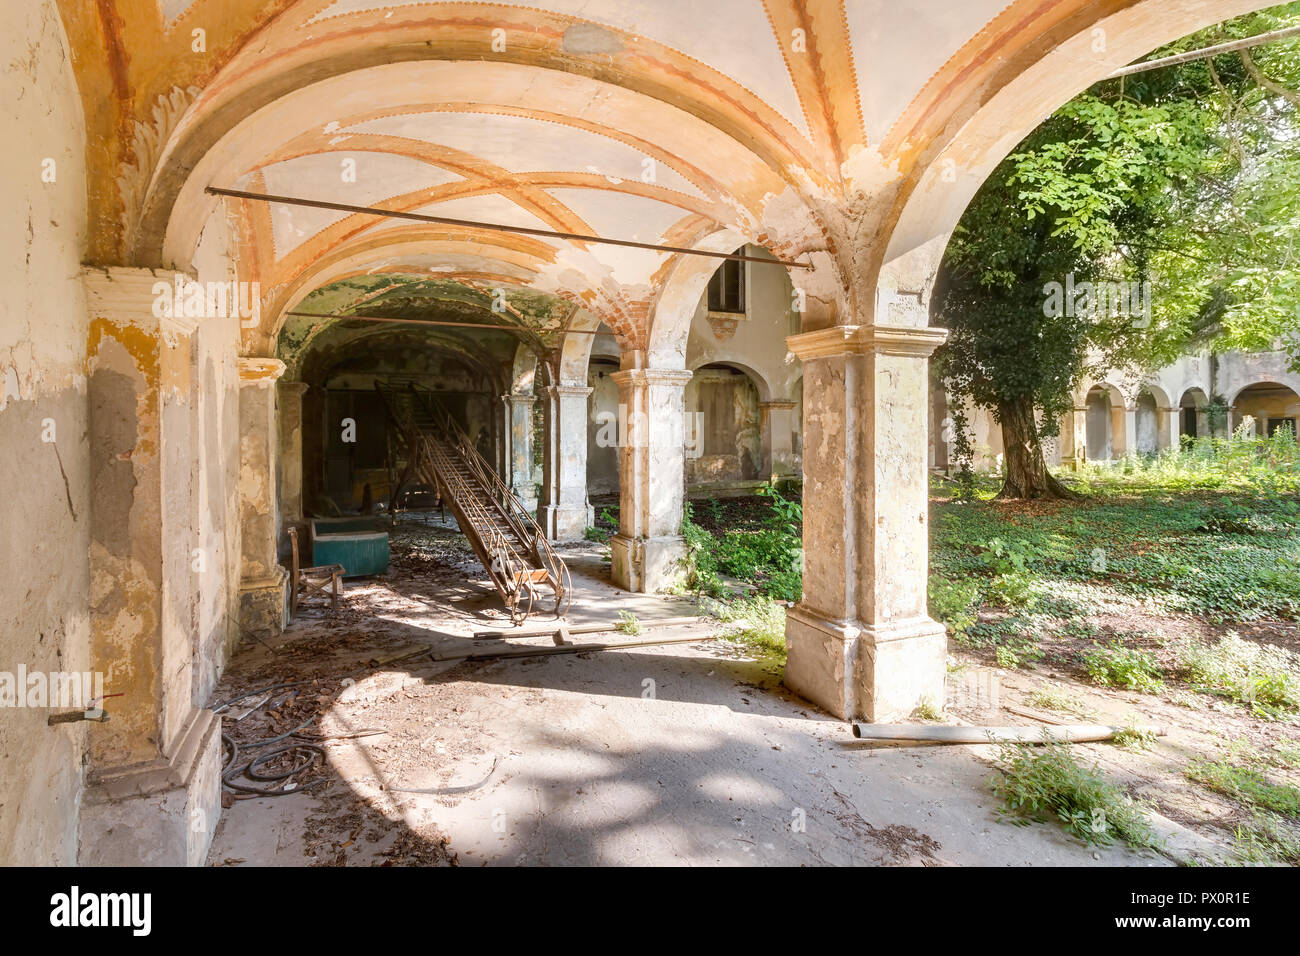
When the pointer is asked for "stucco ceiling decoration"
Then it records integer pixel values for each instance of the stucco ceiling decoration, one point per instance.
(802, 125)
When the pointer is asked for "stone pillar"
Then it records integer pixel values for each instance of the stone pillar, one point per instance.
(565, 512)
(291, 492)
(861, 643)
(775, 420)
(646, 553)
(153, 783)
(1079, 434)
(1168, 426)
(1128, 432)
(263, 606)
(519, 411)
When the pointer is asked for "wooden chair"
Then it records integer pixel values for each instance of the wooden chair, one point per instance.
(328, 577)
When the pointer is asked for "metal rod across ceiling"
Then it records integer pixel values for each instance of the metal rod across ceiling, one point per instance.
(441, 322)
(522, 230)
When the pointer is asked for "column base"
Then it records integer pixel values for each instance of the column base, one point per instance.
(646, 565)
(264, 604)
(876, 674)
(162, 813)
(562, 523)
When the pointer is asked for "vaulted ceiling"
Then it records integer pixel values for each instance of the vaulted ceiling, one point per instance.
(802, 125)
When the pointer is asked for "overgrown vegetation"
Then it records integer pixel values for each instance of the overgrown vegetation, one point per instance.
(1045, 782)
(766, 551)
(758, 622)
(1264, 677)
(1114, 665)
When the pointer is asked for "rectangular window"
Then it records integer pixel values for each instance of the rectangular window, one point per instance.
(727, 287)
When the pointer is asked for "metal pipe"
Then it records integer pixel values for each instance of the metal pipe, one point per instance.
(551, 649)
(1231, 46)
(1067, 733)
(440, 322)
(499, 227)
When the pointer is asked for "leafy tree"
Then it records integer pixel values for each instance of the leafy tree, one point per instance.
(1184, 178)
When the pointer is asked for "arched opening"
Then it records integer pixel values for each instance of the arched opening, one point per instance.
(1193, 414)
(1105, 423)
(1263, 408)
(723, 431)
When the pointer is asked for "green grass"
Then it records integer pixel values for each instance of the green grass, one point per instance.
(628, 623)
(758, 622)
(1247, 784)
(1045, 782)
(1114, 665)
(1057, 698)
(1263, 677)
(1227, 551)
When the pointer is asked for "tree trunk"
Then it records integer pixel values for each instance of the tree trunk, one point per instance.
(1025, 472)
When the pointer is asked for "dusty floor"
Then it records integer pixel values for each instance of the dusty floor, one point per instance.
(680, 754)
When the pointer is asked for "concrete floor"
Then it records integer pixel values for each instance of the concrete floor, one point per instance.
(686, 754)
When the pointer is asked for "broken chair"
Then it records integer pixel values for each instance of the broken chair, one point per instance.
(326, 578)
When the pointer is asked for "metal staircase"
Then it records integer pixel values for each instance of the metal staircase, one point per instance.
(508, 541)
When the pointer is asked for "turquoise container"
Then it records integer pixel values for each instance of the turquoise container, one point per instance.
(356, 543)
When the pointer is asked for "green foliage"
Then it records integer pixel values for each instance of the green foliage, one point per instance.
(1265, 677)
(700, 561)
(1114, 665)
(1267, 841)
(768, 555)
(1036, 782)
(1187, 177)
(1246, 784)
(1053, 697)
(758, 621)
(1138, 538)
(628, 623)
(953, 602)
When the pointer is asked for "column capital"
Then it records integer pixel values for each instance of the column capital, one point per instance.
(293, 388)
(259, 371)
(776, 404)
(651, 376)
(519, 398)
(918, 341)
(126, 295)
(562, 390)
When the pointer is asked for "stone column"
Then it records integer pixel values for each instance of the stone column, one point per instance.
(1128, 432)
(519, 410)
(565, 512)
(861, 643)
(646, 553)
(263, 606)
(1079, 434)
(775, 420)
(153, 788)
(291, 394)
(1168, 426)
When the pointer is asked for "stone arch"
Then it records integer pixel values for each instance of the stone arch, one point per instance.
(1269, 404)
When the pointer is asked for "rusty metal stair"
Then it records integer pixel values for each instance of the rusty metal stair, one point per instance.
(507, 540)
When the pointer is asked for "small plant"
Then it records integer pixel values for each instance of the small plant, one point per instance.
(1246, 784)
(1057, 698)
(597, 534)
(1040, 782)
(928, 710)
(1133, 737)
(1114, 665)
(758, 621)
(953, 602)
(1267, 841)
(628, 623)
(1266, 678)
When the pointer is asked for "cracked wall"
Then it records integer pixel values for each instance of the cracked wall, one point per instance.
(45, 533)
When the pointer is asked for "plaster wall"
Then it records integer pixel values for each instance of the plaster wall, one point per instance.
(45, 532)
